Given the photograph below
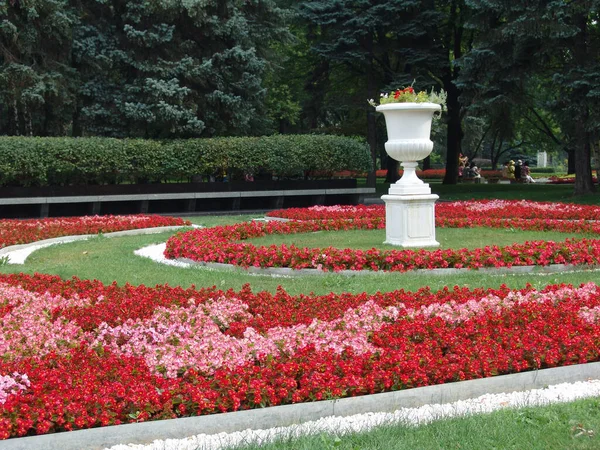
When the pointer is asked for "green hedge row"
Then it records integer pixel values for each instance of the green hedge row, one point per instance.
(42, 161)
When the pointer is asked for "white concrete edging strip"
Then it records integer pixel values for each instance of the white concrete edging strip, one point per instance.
(280, 416)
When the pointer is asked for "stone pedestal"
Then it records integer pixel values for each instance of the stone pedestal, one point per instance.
(410, 220)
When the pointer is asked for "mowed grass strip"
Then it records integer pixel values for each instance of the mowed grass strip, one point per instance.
(574, 425)
(113, 259)
(450, 238)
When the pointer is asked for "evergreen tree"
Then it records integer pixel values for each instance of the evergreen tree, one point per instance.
(37, 84)
(360, 36)
(393, 43)
(171, 68)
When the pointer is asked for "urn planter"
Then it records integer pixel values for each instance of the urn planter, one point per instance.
(410, 205)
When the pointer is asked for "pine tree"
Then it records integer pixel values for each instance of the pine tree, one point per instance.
(170, 68)
(37, 84)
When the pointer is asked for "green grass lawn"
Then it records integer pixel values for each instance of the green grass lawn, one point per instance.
(112, 259)
(447, 237)
(559, 426)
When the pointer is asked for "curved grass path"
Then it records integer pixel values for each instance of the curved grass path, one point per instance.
(113, 259)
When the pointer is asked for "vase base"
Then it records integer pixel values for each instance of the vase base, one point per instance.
(410, 220)
(409, 189)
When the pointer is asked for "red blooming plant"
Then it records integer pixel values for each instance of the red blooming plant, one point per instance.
(186, 352)
(77, 354)
(226, 244)
(220, 245)
(470, 210)
(409, 95)
(14, 231)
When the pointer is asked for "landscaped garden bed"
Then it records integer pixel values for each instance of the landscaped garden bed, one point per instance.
(14, 231)
(221, 244)
(81, 353)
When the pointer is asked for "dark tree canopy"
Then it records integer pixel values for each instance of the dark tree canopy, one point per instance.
(136, 67)
(524, 43)
(519, 75)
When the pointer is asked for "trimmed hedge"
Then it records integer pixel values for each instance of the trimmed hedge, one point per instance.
(43, 161)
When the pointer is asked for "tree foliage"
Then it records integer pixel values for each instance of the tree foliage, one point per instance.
(524, 42)
(518, 74)
(137, 67)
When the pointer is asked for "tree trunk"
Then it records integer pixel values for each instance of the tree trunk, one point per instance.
(76, 127)
(454, 134)
(372, 141)
(583, 154)
(570, 161)
(371, 114)
(427, 163)
(316, 87)
(583, 166)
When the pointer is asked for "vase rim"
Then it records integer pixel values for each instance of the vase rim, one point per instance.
(409, 105)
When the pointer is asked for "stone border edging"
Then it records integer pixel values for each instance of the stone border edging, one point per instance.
(279, 416)
(30, 247)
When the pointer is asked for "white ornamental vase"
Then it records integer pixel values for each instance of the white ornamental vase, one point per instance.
(410, 205)
(409, 128)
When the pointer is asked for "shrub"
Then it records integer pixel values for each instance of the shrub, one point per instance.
(42, 161)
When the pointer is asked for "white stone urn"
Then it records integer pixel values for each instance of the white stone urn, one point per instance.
(409, 128)
(410, 205)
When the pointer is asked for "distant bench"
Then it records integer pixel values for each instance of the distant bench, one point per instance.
(176, 202)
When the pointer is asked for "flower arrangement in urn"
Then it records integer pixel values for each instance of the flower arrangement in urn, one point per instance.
(409, 95)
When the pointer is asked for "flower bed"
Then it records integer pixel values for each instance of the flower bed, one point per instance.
(79, 354)
(500, 209)
(220, 244)
(13, 231)
(568, 179)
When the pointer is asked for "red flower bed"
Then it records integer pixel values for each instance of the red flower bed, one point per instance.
(78, 354)
(13, 231)
(566, 180)
(220, 244)
(295, 348)
(469, 210)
